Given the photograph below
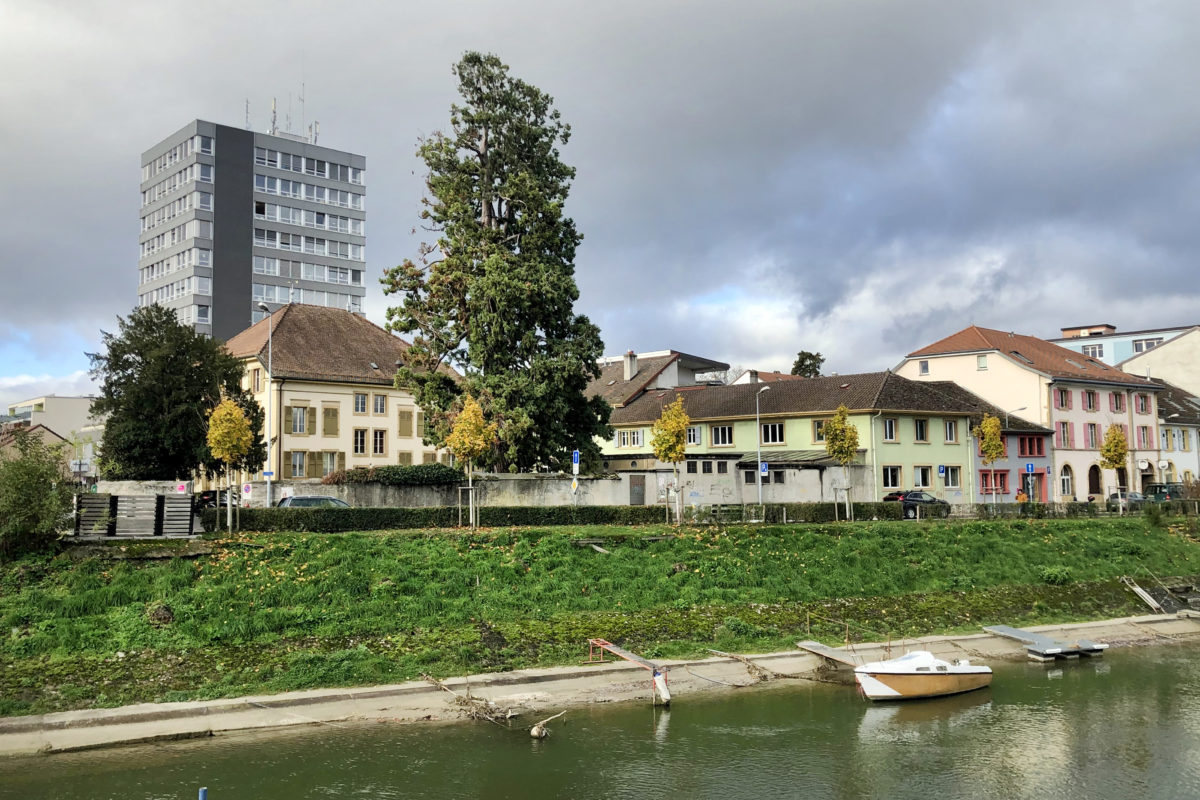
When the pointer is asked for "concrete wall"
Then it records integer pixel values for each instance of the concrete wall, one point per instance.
(490, 490)
(143, 488)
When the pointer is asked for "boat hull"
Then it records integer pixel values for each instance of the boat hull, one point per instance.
(901, 686)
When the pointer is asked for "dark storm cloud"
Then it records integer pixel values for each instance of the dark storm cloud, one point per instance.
(753, 179)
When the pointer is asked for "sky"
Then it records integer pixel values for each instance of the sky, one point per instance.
(849, 177)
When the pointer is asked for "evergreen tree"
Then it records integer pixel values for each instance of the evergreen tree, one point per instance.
(159, 380)
(494, 295)
(808, 364)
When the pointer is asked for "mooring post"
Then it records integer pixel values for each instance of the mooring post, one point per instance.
(203, 793)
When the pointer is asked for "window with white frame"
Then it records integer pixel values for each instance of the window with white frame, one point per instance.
(299, 419)
(819, 430)
(951, 431)
(889, 430)
(1066, 482)
(360, 402)
(380, 403)
(694, 435)
(920, 430)
(891, 477)
(721, 435)
(1091, 400)
(1142, 403)
(379, 442)
(328, 462)
(298, 457)
(923, 367)
(1143, 345)
(953, 477)
(360, 441)
(1118, 401)
(629, 438)
(922, 477)
(1093, 350)
(981, 362)
(772, 433)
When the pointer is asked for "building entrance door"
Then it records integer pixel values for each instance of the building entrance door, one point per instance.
(637, 490)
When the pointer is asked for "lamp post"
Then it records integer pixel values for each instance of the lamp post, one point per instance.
(758, 439)
(1012, 411)
(270, 379)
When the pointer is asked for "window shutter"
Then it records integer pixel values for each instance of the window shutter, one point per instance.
(311, 427)
(1112, 401)
(1070, 399)
(313, 466)
(429, 458)
(404, 457)
(1058, 442)
(331, 421)
(287, 419)
(287, 463)
(341, 461)
(404, 422)
(1071, 444)
(420, 424)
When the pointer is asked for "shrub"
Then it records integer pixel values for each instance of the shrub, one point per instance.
(35, 500)
(1056, 576)
(1155, 514)
(397, 475)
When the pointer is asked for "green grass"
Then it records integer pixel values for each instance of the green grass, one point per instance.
(274, 612)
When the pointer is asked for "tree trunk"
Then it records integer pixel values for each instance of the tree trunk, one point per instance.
(229, 499)
(470, 496)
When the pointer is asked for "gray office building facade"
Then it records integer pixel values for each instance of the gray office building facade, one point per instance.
(231, 218)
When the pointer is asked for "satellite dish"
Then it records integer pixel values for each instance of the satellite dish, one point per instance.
(1163, 464)
(1143, 464)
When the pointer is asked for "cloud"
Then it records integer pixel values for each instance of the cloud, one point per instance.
(17, 388)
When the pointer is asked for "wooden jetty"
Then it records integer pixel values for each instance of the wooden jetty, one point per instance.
(658, 674)
(1043, 648)
(827, 653)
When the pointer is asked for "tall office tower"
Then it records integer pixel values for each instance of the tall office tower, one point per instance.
(232, 218)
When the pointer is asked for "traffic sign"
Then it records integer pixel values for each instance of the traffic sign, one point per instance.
(941, 469)
(269, 474)
(574, 485)
(1029, 468)
(574, 456)
(762, 468)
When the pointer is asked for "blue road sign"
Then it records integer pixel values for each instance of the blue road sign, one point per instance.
(268, 474)
(575, 457)
(762, 467)
(941, 469)
(1029, 468)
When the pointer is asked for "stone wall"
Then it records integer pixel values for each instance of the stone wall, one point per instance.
(143, 488)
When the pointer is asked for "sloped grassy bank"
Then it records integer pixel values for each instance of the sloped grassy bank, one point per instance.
(275, 612)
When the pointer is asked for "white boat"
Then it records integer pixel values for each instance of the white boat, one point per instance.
(919, 674)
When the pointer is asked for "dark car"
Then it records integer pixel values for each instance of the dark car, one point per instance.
(211, 498)
(311, 501)
(914, 500)
(896, 495)
(1133, 500)
(1164, 492)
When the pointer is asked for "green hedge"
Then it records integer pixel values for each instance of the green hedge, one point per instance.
(334, 520)
(1035, 510)
(396, 475)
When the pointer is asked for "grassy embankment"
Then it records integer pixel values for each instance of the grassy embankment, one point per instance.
(274, 612)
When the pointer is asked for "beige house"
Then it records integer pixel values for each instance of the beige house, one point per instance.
(1176, 360)
(325, 377)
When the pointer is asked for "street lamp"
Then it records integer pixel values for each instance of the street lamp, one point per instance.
(1012, 411)
(270, 378)
(758, 434)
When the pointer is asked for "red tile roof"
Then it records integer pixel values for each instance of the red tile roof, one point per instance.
(1032, 352)
(323, 344)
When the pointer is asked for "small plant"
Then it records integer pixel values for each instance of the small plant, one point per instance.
(1056, 576)
(1155, 515)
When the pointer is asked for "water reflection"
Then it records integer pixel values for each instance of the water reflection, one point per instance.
(1127, 726)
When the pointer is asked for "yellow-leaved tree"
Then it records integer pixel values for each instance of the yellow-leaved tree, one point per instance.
(229, 439)
(1113, 452)
(991, 444)
(668, 440)
(470, 437)
(841, 443)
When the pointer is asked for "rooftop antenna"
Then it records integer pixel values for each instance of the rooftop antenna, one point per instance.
(274, 128)
(289, 113)
(247, 113)
(303, 118)
(316, 131)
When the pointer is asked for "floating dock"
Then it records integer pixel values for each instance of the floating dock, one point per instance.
(1043, 648)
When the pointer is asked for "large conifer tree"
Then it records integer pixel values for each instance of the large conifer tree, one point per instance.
(494, 295)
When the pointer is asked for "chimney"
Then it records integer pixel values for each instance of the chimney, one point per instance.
(630, 365)
(754, 376)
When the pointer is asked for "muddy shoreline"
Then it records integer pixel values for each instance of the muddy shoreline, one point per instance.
(532, 691)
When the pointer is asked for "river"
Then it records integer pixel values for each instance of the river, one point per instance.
(1123, 726)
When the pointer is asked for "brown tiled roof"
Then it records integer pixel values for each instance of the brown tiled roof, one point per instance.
(612, 386)
(323, 344)
(1174, 400)
(1037, 354)
(979, 407)
(870, 391)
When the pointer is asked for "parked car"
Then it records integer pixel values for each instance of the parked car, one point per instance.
(210, 498)
(1133, 500)
(1164, 492)
(311, 501)
(915, 499)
